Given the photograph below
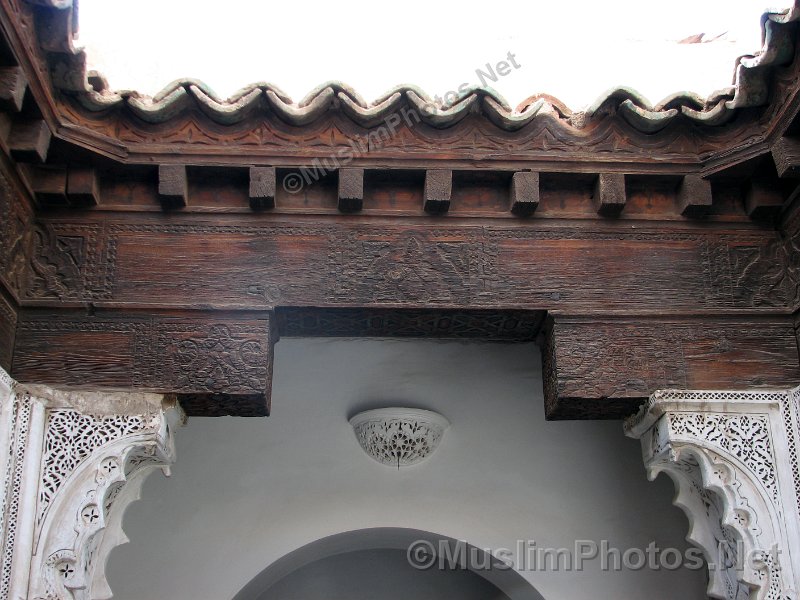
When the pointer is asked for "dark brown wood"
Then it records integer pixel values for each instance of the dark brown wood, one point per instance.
(13, 86)
(8, 328)
(524, 193)
(82, 187)
(262, 188)
(694, 196)
(49, 184)
(173, 186)
(605, 368)
(438, 189)
(29, 141)
(786, 154)
(198, 354)
(609, 194)
(351, 190)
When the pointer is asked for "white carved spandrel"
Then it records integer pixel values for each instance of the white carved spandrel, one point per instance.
(71, 464)
(727, 454)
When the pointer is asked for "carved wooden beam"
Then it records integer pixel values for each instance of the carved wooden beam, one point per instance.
(605, 368)
(351, 190)
(262, 188)
(524, 193)
(173, 186)
(29, 141)
(694, 196)
(12, 88)
(438, 189)
(82, 187)
(609, 194)
(763, 199)
(211, 360)
(48, 184)
(8, 328)
(786, 154)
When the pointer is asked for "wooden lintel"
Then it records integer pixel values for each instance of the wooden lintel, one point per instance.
(438, 189)
(48, 184)
(605, 368)
(694, 196)
(8, 328)
(609, 194)
(524, 193)
(173, 186)
(262, 188)
(202, 356)
(12, 88)
(29, 141)
(763, 199)
(351, 189)
(82, 187)
(786, 155)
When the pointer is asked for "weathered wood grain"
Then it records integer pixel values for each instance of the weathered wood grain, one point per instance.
(82, 187)
(351, 190)
(29, 141)
(262, 188)
(173, 186)
(524, 193)
(438, 189)
(13, 85)
(786, 154)
(605, 368)
(694, 196)
(8, 328)
(197, 354)
(763, 199)
(609, 194)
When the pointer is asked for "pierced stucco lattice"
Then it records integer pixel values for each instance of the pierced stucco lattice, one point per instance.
(399, 437)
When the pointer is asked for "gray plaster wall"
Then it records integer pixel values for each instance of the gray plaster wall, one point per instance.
(246, 492)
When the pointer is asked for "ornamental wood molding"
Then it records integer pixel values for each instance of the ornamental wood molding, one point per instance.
(71, 464)
(165, 244)
(734, 459)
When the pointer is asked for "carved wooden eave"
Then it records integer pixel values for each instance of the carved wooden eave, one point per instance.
(163, 244)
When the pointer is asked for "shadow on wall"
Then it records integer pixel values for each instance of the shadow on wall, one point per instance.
(388, 564)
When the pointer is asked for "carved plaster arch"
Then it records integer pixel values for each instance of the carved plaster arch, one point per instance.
(73, 463)
(732, 456)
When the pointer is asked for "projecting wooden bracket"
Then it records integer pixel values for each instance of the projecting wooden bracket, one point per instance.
(786, 154)
(694, 196)
(29, 141)
(604, 368)
(763, 199)
(524, 193)
(609, 194)
(173, 186)
(12, 88)
(351, 190)
(438, 189)
(262, 188)
(216, 365)
(54, 186)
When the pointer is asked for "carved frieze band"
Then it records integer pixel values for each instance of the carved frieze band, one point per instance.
(419, 266)
(733, 458)
(68, 476)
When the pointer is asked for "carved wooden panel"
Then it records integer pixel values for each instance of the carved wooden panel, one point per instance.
(512, 325)
(606, 368)
(15, 238)
(229, 263)
(8, 327)
(191, 354)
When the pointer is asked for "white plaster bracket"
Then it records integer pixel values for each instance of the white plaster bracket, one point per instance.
(70, 464)
(733, 457)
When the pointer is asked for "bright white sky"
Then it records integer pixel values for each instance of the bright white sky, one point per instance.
(571, 49)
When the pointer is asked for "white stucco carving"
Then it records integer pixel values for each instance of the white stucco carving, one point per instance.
(399, 437)
(71, 463)
(733, 458)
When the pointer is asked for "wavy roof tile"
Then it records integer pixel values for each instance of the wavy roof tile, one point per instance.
(750, 88)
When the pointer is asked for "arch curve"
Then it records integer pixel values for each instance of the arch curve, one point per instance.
(502, 577)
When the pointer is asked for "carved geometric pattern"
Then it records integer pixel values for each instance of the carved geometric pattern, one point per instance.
(385, 322)
(20, 412)
(743, 436)
(71, 438)
(720, 449)
(399, 437)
